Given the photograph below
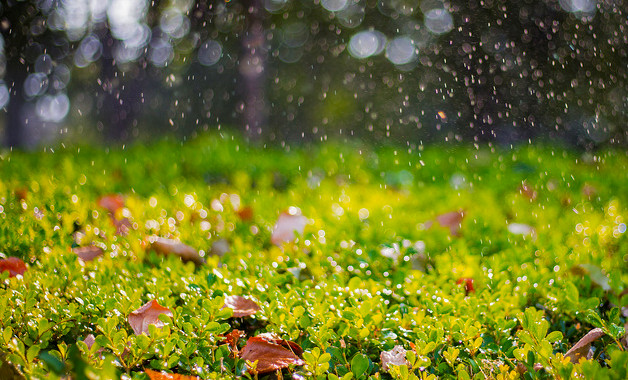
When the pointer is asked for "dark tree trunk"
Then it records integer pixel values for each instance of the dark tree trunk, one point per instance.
(117, 100)
(15, 121)
(252, 71)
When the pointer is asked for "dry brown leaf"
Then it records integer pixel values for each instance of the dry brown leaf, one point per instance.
(89, 341)
(111, 202)
(286, 226)
(245, 214)
(274, 338)
(242, 307)
(154, 375)
(13, 265)
(147, 315)
(527, 191)
(269, 356)
(88, 253)
(396, 356)
(175, 247)
(581, 349)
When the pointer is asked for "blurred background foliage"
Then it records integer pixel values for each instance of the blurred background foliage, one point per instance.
(285, 71)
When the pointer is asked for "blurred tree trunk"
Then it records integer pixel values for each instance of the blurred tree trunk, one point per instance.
(252, 70)
(15, 122)
(115, 106)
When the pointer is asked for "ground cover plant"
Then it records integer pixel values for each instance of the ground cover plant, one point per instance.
(213, 259)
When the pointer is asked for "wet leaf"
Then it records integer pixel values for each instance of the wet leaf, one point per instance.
(581, 349)
(111, 202)
(175, 247)
(13, 265)
(396, 356)
(269, 356)
(88, 253)
(147, 315)
(286, 226)
(242, 307)
(154, 375)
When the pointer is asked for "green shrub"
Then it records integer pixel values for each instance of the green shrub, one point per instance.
(372, 270)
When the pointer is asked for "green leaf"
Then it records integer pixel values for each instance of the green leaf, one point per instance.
(52, 362)
(32, 352)
(554, 336)
(7, 334)
(359, 364)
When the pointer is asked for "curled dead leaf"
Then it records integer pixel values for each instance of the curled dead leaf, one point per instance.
(269, 356)
(286, 226)
(581, 349)
(155, 375)
(13, 265)
(147, 315)
(396, 356)
(242, 307)
(174, 247)
(88, 253)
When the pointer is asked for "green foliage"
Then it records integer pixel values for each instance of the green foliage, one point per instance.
(332, 290)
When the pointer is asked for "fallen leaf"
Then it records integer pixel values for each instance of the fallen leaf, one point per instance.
(451, 220)
(232, 339)
(13, 265)
(175, 247)
(154, 375)
(21, 193)
(242, 307)
(396, 356)
(89, 341)
(520, 229)
(111, 202)
(527, 191)
(274, 338)
(468, 284)
(581, 349)
(147, 315)
(123, 226)
(88, 253)
(270, 357)
(245, 214)
(286, 226)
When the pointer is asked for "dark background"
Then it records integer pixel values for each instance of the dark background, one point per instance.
(286, 71)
